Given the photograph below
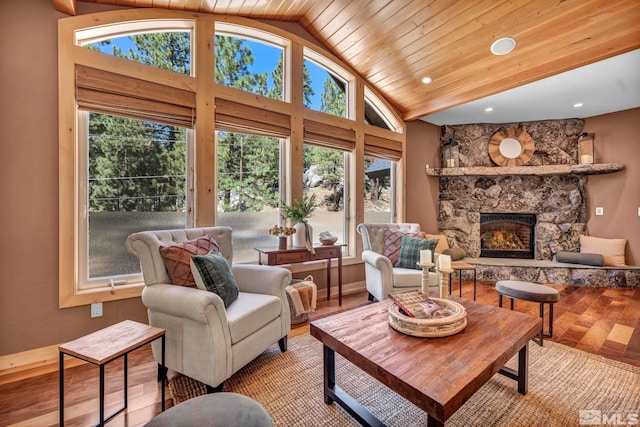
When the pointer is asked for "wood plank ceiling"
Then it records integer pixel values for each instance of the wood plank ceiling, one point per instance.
(395, 43)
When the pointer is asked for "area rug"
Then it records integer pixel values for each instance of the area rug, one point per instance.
(562, 383)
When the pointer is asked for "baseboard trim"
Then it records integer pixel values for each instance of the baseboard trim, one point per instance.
(348, 288)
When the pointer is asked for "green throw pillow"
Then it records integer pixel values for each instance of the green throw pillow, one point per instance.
(410, 251)
(212, 273)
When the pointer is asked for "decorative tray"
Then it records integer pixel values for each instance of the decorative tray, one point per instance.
(431, 321)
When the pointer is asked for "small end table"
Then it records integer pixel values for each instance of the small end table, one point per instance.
(459, 266)
(104, 346)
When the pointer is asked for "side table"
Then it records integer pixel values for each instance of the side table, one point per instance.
(106, 345)
(273, 256)
(459, 266)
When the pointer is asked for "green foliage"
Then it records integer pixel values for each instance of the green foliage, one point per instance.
(136, 165)
(141, 166)
(248, 165)
(300, 210)
(333, 99)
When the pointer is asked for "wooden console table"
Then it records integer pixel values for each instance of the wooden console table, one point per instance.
(104, 346)
(272, 256)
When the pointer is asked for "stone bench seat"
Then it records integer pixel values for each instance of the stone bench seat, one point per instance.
(557, 273)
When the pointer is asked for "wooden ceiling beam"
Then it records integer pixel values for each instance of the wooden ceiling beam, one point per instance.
(65, 6)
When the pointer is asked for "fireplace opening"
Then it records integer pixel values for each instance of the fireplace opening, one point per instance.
(507, 235)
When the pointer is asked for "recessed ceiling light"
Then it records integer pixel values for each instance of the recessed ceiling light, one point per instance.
(426, 80)
(503, 46)
(488, 109)
(578, 104)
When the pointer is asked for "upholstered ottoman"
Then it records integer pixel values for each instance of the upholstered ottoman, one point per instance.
(215, 409)
(534, 292)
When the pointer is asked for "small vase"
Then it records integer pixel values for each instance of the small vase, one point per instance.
(303, 229)
(282, 242)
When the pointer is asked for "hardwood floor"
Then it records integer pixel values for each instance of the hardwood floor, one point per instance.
(602, 321)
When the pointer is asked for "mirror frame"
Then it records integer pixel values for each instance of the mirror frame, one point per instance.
(519, 134)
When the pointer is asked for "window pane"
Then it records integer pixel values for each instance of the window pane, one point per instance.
(324, 91)
(378, 198)
(167, 50)
(324, 176)
(249, 65)
(248, 193)
(136, 182)
(373, 117)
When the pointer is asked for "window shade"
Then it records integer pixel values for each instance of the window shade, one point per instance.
(328, 136)
(234, 117)
(110, 93)
(382, 147)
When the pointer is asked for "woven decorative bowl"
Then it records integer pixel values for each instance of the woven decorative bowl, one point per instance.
(430, 328)
(328, 240)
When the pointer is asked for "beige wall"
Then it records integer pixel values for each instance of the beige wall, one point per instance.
(29, 313)
(423, 141)
(617, 141)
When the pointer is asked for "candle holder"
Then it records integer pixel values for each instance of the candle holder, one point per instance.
(445, 276)
(586, 148)
(425, 277)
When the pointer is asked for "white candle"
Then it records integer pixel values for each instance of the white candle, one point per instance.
(586, 159)
(445, 262)
(425, 256)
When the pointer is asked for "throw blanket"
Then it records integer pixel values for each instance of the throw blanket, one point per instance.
(303, 296)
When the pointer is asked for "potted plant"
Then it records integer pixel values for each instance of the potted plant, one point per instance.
(282, 233)
(298, 213)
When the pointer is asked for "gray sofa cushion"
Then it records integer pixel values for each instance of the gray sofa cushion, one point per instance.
(455, 253)
(580, 258)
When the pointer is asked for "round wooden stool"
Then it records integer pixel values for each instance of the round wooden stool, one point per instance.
(533, 292)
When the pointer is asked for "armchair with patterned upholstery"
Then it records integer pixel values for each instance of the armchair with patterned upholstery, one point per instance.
(205, 340)
(382, 277)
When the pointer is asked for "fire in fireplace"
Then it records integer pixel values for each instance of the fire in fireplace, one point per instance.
(507, 235)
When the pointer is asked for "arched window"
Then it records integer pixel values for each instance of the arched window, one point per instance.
(196, 121)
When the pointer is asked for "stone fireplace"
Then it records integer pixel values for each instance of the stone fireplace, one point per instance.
(550, 186)
(507, 235)
(557, 202)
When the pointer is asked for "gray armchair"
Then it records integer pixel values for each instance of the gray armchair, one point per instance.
(382, 278)
(204, 340)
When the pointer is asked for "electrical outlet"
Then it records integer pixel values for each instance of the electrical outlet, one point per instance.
(638, 211)
(96, 309)
(599, 211)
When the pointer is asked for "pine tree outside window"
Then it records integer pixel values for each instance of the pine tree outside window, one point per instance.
(137, 180)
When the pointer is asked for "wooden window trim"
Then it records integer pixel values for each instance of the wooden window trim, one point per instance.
(92, 27)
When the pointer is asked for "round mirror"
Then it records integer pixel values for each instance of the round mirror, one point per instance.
(510, 148)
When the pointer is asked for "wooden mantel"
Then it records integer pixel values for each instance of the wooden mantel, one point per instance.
(590, 169)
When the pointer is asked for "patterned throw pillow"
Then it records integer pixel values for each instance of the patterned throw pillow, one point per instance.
(176, 258)
(212, 273)
(410, 251)
(393, 241)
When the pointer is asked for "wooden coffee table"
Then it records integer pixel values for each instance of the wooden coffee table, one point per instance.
(436, 374)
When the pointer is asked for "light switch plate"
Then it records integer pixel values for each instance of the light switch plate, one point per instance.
(599, 211)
